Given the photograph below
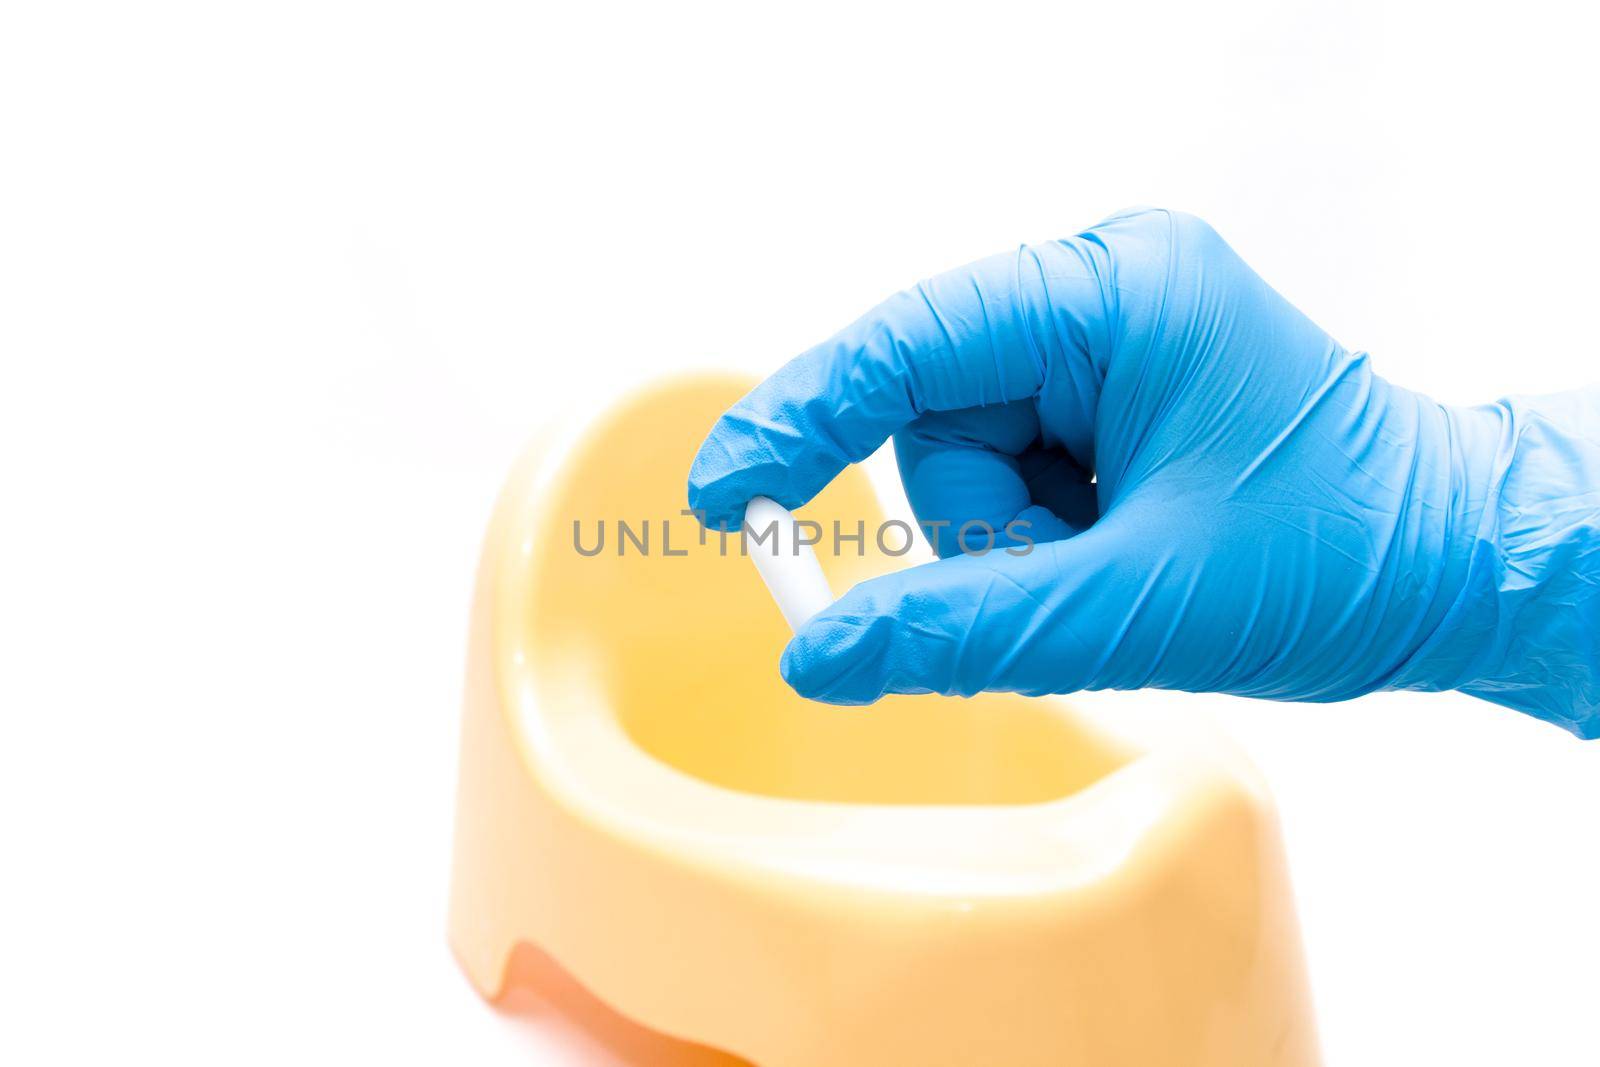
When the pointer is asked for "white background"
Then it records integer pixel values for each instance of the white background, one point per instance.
(283, 288)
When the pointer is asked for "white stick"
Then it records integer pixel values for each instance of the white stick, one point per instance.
(789, 567)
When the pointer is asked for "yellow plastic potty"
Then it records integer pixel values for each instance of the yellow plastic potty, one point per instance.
(928, 882)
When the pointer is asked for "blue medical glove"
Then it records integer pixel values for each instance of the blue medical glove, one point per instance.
(1222, 498)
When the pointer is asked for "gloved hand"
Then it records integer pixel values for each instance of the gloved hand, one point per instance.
(1222, 497)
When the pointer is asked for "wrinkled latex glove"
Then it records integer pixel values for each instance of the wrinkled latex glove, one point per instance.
(1222, 497)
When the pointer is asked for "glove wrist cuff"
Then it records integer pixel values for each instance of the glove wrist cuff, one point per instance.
(1522, 629)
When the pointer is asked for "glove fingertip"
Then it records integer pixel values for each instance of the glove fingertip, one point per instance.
(823, 662)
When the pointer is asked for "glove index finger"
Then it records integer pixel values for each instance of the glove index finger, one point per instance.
(959, 340)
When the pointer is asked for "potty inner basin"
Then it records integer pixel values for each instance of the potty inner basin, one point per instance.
(681, 640)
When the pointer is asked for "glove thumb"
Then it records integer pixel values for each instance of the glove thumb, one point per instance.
(1060, 618)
